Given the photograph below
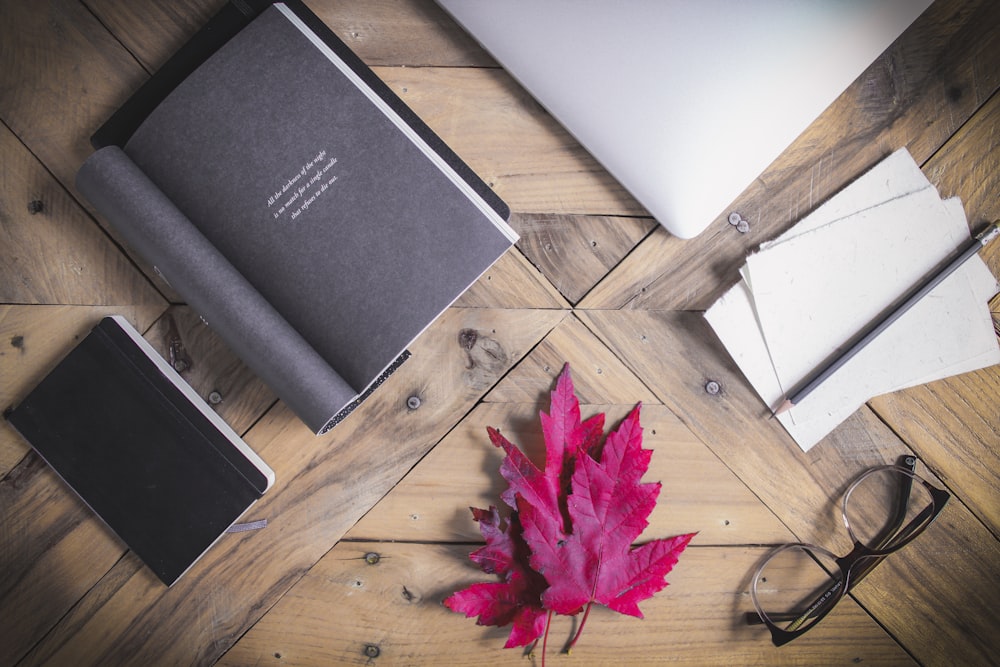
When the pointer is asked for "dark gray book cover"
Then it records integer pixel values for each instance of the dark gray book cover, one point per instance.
(298, 211)
(141, 448)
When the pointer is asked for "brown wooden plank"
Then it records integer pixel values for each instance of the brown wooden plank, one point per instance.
(211, 367)
(32, 341)
(968, 167)
(54, 550)
(345, 605)
(412, 33)
(935, 596)
(512, 283)
(577, 251)
(63, 75)
(153, 31)
(953, 425)
(39, 219)
(324, 484)
(699, 494)
(598, 376)
(930, 82)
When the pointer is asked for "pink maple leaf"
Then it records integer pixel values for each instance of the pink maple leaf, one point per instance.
(574, 525)
(594, 560)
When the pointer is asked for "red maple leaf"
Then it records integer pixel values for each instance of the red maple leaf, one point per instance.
(578, 517)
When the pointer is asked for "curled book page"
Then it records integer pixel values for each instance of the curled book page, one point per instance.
(258, 334)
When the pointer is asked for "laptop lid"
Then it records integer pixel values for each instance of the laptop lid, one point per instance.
(685, 102)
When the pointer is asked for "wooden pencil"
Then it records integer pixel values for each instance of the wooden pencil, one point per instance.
(889, 316)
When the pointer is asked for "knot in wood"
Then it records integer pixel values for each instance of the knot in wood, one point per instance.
(467, 338)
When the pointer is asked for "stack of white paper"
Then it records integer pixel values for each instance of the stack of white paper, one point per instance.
(807, 293)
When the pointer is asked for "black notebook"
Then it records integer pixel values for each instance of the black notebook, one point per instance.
(141, 448)
(296, 203)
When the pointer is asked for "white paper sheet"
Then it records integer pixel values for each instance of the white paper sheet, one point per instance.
(816, 286)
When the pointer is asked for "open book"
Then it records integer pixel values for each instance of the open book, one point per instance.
(295, 202)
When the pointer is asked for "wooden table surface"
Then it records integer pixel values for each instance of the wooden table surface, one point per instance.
(593, 282)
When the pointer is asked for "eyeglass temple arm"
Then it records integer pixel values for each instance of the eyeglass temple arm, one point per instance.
(892, 530)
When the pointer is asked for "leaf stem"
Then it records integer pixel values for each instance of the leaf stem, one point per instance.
(545, 639)
(583, 622)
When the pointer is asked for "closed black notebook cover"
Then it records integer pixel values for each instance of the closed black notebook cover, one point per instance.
(138, 451)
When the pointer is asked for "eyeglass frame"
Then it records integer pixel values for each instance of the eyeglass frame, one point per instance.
(861, 560)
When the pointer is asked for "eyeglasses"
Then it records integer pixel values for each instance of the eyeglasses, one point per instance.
(798, 584)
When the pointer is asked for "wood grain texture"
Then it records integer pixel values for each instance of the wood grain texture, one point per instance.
(954, 567)
(412, 33)
(923, 89)
(953, 424)
(300, 591)
(63, 75)
(46, 530)
(968, 167)
(319, 495)
(432, 503)
(512, 283)
(213, 370)
(153, 31)
(598, 376)
(576, 251)
(38, 218)
(345, 607)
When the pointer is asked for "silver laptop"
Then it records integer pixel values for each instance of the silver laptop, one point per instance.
(685, 102)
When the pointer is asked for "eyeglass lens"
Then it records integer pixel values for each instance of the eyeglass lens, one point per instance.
(883, 508)
(796, 584)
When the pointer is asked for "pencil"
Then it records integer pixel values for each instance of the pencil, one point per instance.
(890, 315)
